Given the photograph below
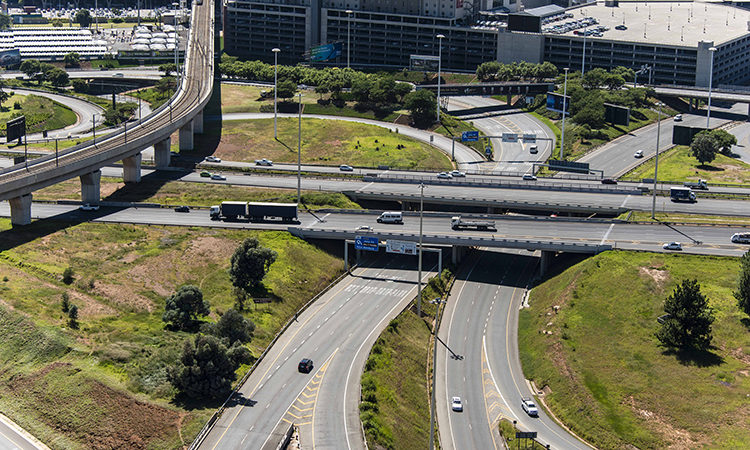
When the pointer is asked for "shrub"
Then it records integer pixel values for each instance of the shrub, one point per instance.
(67, 276)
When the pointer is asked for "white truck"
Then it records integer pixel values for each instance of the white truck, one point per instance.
(457, 223)
(700, 184)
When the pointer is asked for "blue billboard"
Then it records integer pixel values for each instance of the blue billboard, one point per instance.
(555, 102)
(326, 52)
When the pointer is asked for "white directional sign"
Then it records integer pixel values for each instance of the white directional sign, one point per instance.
(402, 247)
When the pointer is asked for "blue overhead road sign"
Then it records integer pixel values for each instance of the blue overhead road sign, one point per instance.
(470, 136)
(366, 243)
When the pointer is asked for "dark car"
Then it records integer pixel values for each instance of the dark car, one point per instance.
(609, 181)
(305, 366)
(183, 208)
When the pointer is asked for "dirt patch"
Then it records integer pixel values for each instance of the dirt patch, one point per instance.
(209, 248)
(679, 439)
(91, 413)
(659, 276)
(123, 295)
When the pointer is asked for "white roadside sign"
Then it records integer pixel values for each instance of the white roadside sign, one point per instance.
(402, 247)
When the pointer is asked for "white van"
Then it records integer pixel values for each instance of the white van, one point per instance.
(741, 238)
(391, 217)
(533, 148)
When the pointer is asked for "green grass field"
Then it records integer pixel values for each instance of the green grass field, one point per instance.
(323, 141)
(607, 378)
(104, 384)
(677, 164)
(41, 113)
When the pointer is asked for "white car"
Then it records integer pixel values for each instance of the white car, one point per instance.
(529, 177)
(672, 246)
(456, 404)
(216, 176)
(346, 168)
(529, 407)
(456, 173)
(444, 176)
(263, 162)
(638, 154)
(678, 118)
(213, 159)
(89, 207)
(363, 228)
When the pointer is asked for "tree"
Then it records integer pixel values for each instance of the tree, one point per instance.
(184, 306)
(30, 67)
(72, 59)
(689, 320)
(725, 140)
(5, 21)
(165, 84)
(206, 368)
(83, 18)
(422, 106)
(232, 326)
(250, 263)
(73, 317)
(65, 305)
(80, 85)
(592, 110)
(595, 78)
(4, 96)
(58, 77)
(168, 68)
(742, 294)
(286, 89)
(704, 148)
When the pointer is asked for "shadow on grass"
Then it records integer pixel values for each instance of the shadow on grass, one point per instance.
(695, 357)
(746, 322)
(710, 168)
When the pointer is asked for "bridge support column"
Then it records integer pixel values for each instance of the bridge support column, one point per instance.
(20, 210)
(748, 112)
(162, 157)
(509, 100)
(546, 261)
(457, 254)
(131, 168)
(405, 206)
(198, 122)
(90, 190)
(690, 105)
(186, 136)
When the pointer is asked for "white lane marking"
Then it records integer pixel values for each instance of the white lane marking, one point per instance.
(606, 235)
(625, 201)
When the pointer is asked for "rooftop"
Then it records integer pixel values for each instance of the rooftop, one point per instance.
(667, 23)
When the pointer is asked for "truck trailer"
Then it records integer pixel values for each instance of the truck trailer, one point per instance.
(457, 223)
(254, 211)
(682, 194)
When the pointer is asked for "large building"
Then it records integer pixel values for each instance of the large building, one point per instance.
(673, 39)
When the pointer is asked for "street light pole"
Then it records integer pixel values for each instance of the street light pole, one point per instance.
(710, 82)
(436, 302)
(440, 62)
(419, 280)
(299, 150)
(656, 165)
(565, 93)
(93, 127)
(275, 86)
(348, 34)
(583, 60)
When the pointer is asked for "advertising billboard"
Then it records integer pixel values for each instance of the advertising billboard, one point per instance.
(15, 128)
(423, 63)
(401, 247)
(10, 57)
(617, 115)
(555, 102)
(326, 52)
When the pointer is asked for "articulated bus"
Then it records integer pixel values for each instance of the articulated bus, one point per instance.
(741, 238)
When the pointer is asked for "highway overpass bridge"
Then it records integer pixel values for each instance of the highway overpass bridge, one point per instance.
(507, 89)
(184, 112)
(701, 93)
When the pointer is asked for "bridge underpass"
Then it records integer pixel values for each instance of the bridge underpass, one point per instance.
(183, 112)
(461, 243)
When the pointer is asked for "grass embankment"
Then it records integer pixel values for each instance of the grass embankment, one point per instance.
(660, 217)
(677, 164)
(174, 193)
(395, 408)
(605, 374)
(41, 113)
(104, 384)
(323, 141)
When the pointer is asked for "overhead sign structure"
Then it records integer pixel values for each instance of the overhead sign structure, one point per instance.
(401, 247)
(326, 52)
(366, 243)
(525, 434)
(510, 137)
(529, 137)
(555, 102)
(470, 136)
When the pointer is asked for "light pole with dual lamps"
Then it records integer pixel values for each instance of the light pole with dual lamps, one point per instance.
(299, 149)
(710, 82)
(565, 94)
(419, 270)
(348, 34)
(436, 302)
(440, 62)
(656, 164)
(275, 87)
